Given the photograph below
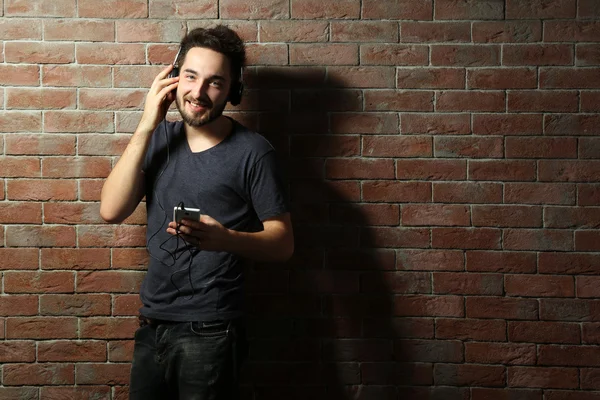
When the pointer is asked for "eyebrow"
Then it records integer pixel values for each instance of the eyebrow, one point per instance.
(213, 77)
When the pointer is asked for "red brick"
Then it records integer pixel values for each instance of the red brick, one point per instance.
(89, 189)
(543, 332)
(588, 9)
(587, 287)
(427, 32)
(112, 9)
(364, 31)
(540, 9)
(396, 146)
(314, 9)
(394, 282)
(110, 53)
(567, 217)
(419, 328)
(397, 9)
(266, 54)
(83, 30)
(429, 350)
(329, 100)
(293, 31)
(459, 9)
(75, 305)
(20, 29)
(507, 216)
(502, 78)
(587, 55)
(393, 191)
(135, 76)
(126, 305)
(310, 191)
(398, 100)
(542, 240)
(108, 328)
(469, 375)
(118, 236)
(20, 213)
(19, 305)
(364, 123)
(395, 237)
(435, 214)
(367, 214)
(38, 282)
(361, 77)
(559, 78)
(570, 171)
(40, 236)
(437, 124)
(75, 393)
(149, 31)
(501, 261)
(20, 121)
(76, 75)
(569, 263)
(467, 192)
(323, 54)
(469, 147)
(45, 144)
(566, 124)
(467, 284)
(507, 124)
(507, 32)
(500, 353)
(48, 328)
(538, 147)
(72, 213)
(470, 100)
(543, 101)
(111, 99)
(430, 260)
(16, 351)
(590, 101)
(39, 52)
(19, 258)
(569, 356)
(465, 55)
(17, 167)
(380, 259)
(571, 31)
(109, 281)
(59, 8)
(20, 75)
(505, 394)
(587, 241)
(393, 54)
(102, 145)
(71, 351)
(539, 286)
(589, 378)
(78, 122)
(359, 169)
(466, 238)
(102, 374)
(40, 99)
(430, 78)
(41, 189)
(120, 350)
(538, 54)
(470, 329)
(431, 169)
(502, 170)
(76, 167)
(540, 193)
(565, 310)
(501, 308)
(38, 374)
(163, 9)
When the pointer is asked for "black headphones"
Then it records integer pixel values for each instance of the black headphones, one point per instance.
(237, 87)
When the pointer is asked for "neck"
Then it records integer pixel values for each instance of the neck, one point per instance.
(217, 129)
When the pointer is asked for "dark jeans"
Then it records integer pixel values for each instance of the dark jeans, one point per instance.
(188, 361)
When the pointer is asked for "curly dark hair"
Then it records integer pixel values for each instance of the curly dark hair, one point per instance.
(221, 39)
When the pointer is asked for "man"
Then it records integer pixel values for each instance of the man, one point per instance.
(192, 337)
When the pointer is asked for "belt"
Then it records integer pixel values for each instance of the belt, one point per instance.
(143, 321)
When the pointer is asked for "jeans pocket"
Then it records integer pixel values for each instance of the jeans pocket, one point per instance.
(210, 329)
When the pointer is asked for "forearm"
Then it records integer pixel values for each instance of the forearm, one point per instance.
(124, 187)
(272, 245)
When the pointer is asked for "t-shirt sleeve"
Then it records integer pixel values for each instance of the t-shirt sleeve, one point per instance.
(268, 188)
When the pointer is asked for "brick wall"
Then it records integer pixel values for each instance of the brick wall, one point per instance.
(444, 167)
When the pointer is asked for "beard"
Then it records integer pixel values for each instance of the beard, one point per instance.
(212, 112)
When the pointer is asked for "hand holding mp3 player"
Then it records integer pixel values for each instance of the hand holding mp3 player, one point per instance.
(180, 213)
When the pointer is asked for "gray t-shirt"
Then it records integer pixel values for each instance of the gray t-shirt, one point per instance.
(239, 183)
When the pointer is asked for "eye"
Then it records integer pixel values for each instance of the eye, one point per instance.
(216, 84)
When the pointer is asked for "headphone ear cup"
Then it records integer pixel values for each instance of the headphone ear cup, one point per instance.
(235, 95)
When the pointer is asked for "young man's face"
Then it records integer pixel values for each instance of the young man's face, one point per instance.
(204, 83)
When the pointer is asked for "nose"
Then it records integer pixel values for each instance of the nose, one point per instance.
(199, 89)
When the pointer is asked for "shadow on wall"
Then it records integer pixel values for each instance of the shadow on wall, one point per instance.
(321, 326)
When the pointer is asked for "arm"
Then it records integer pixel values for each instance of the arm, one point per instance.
(124, 187)
(274, 243)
